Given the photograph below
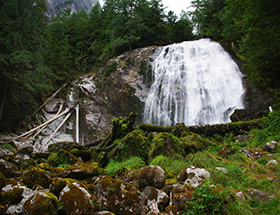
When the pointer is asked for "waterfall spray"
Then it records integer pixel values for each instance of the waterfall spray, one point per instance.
(195, 82)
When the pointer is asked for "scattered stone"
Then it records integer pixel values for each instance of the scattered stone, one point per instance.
(247, 152)
(222, 169)
(270, 146)
(261, 195)
(193, 176)
(240, 196)
(242, 138)
(271, 163)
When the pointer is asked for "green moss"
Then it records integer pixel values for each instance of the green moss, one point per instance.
(166, 144)
(133, 144)
(62, 158)
(36, 176)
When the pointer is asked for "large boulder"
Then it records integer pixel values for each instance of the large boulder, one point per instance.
(41, 202)
(152, 176)
(76, 199)
(117, 196)
(166, 144)
(37, 176)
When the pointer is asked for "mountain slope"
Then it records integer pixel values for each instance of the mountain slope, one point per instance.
(76, 5)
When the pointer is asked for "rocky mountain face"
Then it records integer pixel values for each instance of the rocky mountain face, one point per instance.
(76, 5)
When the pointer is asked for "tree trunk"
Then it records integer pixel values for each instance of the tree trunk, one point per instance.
(3, 103)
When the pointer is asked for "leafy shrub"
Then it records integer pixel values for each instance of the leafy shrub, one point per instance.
(208, 199)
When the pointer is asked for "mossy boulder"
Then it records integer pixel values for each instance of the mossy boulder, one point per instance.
(13, 196)
(82, 170)
(180, 130)
(117, 196)
(36, 176)
(68, 146)
(8, 169)
(86, 154)
(182, 200)
(152, 176)
(62, 158)
(166, 144)
(150, 193)
(76, 199)
(194, 142)
(133, 144)
(42, 202)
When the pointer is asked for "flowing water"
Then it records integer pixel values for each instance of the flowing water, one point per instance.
(194, 82)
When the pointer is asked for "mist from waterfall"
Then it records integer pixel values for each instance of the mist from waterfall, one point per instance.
(194, 82)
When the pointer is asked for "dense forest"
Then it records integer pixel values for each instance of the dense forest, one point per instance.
(39, 55)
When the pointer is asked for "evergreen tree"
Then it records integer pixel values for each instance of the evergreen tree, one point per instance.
(24, 76)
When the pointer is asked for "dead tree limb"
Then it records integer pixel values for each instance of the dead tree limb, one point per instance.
(64, 120)
(40, 126)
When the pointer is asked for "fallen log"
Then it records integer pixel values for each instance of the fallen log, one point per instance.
(40, 126)
(221, 129)
(64, 120)
(154, 128)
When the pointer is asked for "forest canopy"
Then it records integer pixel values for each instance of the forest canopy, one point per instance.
(39, 55)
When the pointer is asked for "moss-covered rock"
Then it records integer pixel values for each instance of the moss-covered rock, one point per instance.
(117, 196)
(166, 144)
(180, 130)
(8, 169)
(62, 158)
(42, 202)
(86, 154)
(57, 185)
(194, 142)
(76, 199)
(82, 170)
(133, 144)
(36, 176)
(150, 193)
(152, 176)
(68, 146)
(181, 200)
(13, 196)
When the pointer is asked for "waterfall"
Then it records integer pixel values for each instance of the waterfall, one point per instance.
(194, 82)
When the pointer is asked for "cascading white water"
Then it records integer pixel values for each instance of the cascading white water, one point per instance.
(195, 82)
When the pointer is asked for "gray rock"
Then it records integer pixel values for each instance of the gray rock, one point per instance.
(270, 146)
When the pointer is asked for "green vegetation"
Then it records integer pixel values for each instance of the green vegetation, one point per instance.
(237, 172)
(132, 162)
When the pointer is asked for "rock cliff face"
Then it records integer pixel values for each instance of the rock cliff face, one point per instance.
(118, 88)
(76, 5)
